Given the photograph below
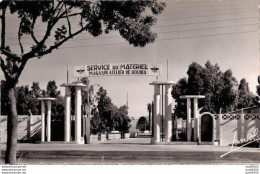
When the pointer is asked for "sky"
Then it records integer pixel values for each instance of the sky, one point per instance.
(225, 32)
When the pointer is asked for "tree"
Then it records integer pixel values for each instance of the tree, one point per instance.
(245, 97)
(179, 89)
(131, 19)
(122, 121)
(105, 108)
(57, 106)
(220, 89)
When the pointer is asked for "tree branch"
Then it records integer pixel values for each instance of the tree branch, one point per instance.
(19, 37)
(52, 22)
(2, 64)
(74, 14)
(11, 55)
(56, 46)
(3, 29)
(68, 20)
(32, 32)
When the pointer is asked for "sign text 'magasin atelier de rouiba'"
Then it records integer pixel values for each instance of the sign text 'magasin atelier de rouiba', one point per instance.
(119, 69)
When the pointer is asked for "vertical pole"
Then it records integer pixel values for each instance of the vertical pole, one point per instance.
(162, 114)
(67, 120)
(152, 119)
(78, 115)
(217, 128)
(188, 124)
(245, 126)
(195, 112)
(239, 126)
(43, 121)
(157, 129)
(67, 72)
(168, 114)
(167, 69)
(242, 118)
(49, 121)
(220, 127)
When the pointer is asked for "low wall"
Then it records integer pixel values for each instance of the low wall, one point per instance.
(29, 128)
(238, 126)
(114, 136)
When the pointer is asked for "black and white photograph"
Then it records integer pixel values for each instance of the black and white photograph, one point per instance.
(172, 83)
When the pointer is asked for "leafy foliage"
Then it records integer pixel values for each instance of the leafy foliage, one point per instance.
(109, 117)
(221, 90)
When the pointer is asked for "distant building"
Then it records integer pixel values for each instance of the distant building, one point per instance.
(140, 124)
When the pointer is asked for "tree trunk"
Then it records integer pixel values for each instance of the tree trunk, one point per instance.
(12, 121)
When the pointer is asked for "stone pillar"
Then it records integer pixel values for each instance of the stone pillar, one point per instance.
(78, 115)
(43, 121)
(168, 113)
(239, 126)
(217, 128)
(245, 126)
(220, 129)
(188, 123)
(49, 121)
(242, 120)
(195, 111)
(67, 119)
(157, 120)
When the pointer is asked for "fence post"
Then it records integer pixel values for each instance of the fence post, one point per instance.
(220, 127)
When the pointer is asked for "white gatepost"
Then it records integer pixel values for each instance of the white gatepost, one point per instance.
(43, 121)
(195, 116)
(220, 128)
(49, 121)
(78, 115)
(168, 113)
(157, 120)
(67, 119)
(188, 123)
(48, 100)
(242, 120)
(195, 111)
(67, 114)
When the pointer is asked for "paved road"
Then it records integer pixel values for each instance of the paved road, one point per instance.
(132, 151)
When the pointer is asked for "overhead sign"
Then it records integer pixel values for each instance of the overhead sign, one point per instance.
(119, 69)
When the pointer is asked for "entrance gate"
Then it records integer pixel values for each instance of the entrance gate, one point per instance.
(206, 128)
(206, 124)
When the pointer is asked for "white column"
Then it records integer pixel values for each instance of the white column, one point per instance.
(67, 120)
(239, 126)
(168, 113)
(188, 126)
(220, 129)
(78, 115)
(157, 125)
(43, 121)
(242, 118)
(195, 111)
(217, 128)
(49, 121)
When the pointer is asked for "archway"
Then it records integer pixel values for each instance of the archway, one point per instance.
(207, 128)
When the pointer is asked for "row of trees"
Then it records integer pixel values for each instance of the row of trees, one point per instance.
(109, 117)
(106, 116)
(27, 102)
(221, 90)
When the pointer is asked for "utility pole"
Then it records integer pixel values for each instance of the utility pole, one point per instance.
(127, 100)
(67, 72)
(167, 70)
